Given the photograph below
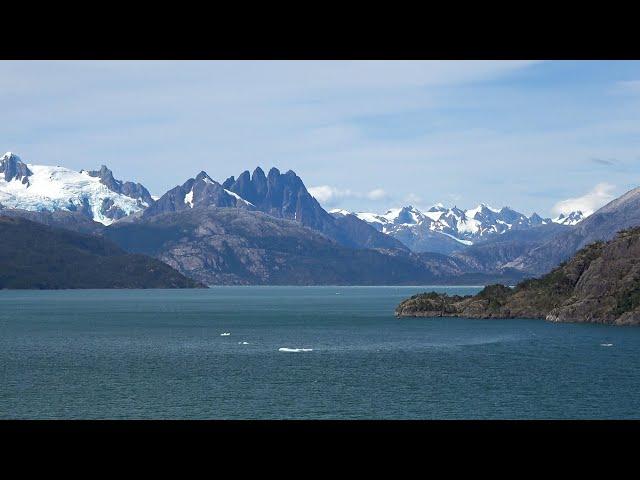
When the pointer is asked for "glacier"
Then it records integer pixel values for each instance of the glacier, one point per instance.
(59, 188)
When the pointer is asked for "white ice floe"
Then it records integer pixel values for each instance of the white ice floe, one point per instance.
(243, 343)
(225, 334)
(606, 344)
(295, 350)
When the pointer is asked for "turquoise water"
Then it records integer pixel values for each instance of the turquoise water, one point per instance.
(160, 354)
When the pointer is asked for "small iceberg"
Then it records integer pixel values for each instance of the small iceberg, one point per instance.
(606, 344)
(225, 334)
(243, 343)
(295, 350)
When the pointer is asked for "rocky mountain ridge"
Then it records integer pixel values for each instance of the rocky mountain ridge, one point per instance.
(599, 284)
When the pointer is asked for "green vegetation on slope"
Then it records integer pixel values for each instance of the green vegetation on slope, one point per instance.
(600, 284)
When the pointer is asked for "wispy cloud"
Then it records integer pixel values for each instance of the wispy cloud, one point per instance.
(413, 198)
(588, 203)
(604, 161)
(627, 86)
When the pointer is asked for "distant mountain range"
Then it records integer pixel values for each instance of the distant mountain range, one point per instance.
(268, 229)
(447, 230)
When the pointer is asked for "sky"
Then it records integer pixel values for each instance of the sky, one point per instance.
(536, 136)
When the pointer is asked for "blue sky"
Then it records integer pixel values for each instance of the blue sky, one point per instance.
(536, 136)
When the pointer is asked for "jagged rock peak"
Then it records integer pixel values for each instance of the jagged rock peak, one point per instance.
(274, 172)
(228, 183)
(130, 189)
(258, 173)
(106, 177)
(14, 168)
(203, 176)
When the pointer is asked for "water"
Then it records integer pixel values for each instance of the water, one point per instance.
(161, 354)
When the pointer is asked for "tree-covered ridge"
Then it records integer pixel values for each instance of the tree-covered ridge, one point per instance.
(600, 284)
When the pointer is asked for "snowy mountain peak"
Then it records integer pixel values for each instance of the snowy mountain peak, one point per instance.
(198, 192)
(538, 220)
(420, 229)
(571, 218)
(96, 194)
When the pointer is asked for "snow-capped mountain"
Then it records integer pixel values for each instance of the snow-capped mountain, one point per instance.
(570, 219)
(444, 230)
(98, 196)
(201, 191)
(95, 194)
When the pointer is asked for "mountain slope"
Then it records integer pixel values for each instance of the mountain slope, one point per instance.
(619, 214)
(235, 246)
(284, 195)
(74, 221)
(37, 256)
(600, 284)
(96, 194)
(492, 254)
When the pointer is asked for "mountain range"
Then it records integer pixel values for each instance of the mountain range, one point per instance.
(268, 229)
(447, 230)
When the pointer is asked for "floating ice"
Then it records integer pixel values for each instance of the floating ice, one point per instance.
(295, 350)
(225, 334)
(606, 344)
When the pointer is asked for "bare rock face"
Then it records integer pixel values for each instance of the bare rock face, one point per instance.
(600, 284)
(14, 169)
(130, 189)
(284, 195)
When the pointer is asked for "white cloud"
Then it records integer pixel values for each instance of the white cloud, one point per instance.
(330, 196)
(588, 203)
(377, 194)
